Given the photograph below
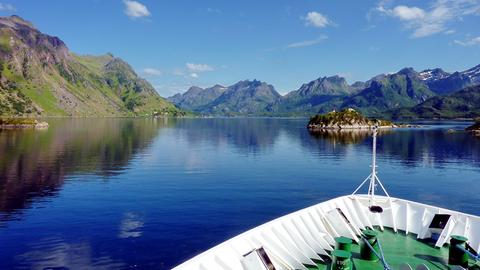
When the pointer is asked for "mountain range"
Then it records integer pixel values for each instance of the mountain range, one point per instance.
(385, 94)
(460, 104)
(40, 76)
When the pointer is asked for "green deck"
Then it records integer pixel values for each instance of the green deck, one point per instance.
(399, 248)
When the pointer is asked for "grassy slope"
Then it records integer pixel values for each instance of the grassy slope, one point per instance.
(96, 98)
(461, 104)
(79, 88)
(309, 98)
(395, 91)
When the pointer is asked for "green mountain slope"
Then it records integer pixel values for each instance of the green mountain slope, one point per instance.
(310, 95)
(244, 98)
(197, 97)
(462, 104)
(378, 97)
(40, 76)
(443, 83)
(402, 89)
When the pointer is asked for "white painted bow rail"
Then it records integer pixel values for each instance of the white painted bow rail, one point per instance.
(293, 240)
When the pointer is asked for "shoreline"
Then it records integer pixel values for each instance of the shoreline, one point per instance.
(227, 116)
(22, 123)
(349, 128)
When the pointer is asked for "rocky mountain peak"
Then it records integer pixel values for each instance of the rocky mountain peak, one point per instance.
(252, 85)
(335, 79)
(15, 21)
(333, 85)
(249, 83)
(358, 85)
(218, 86)
(408, 71)
(433, 74)
(473, 72)
(194, 90)
(24, 41)
(28, 34)
(39, 69)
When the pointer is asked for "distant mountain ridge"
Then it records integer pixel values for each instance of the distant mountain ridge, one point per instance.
(40, 76)
(197, 97)
(401, 89)
(243, 98)
(461, 104)
(311, 95)
(444, 83)
(384, 92)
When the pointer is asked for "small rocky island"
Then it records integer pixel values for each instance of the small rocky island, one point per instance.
(475, 128)
(14, 123)
(346, 119)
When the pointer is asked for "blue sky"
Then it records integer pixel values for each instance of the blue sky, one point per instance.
(177, 44)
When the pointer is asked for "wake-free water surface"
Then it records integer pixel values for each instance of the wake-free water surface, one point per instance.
(151, 193)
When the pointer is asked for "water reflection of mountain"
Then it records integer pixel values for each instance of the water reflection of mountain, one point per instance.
(343, 136)
(252, 135)
(35, 163)
(435, 147)
(333, 144)
(258, 135)
(247, 135)
(411, 147)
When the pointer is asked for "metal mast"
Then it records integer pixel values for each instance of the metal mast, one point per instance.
(373, 178)
(373, 175)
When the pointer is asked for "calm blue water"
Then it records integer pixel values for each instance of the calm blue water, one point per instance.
(149, 194)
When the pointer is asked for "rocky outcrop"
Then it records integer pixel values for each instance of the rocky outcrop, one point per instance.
(346, 119)
(475, 128)
(22, 123)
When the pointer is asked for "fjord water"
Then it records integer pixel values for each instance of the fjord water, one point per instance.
(151, 193)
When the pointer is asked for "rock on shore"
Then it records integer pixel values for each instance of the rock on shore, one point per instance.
(14, 123)
(475, 128)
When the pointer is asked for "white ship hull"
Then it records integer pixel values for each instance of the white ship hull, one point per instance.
(307, 237)
(292, 241)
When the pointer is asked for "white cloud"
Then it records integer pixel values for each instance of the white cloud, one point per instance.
(7, 7)
(135, 9)
(192, 70)
(469, 42)
(198, 67)
(306, 43)
(70, 255)
(408, 13)
(131, 226)
(214, 10)
(152, 72)
(436, 19)
(317, 19)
